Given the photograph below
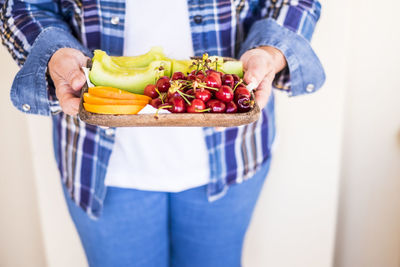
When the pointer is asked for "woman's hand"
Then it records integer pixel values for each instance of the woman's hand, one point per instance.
(65, 68)
(260, 66)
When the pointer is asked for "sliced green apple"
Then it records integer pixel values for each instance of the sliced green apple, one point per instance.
(232, 67)
(184, 66)
(132, 80)
(155, 53)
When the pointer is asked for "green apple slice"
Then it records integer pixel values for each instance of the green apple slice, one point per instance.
(232, 67)
(155, 53)
(132, 80)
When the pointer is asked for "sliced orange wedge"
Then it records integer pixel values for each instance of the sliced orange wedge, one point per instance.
(96, 100)
(113, 109)
(110, 92)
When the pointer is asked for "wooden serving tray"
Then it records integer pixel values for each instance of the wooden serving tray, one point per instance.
(168, 120)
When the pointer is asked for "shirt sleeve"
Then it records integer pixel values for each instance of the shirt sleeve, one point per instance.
(32, 30)
(288, 25)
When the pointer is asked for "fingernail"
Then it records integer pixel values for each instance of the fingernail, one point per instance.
(252, 85)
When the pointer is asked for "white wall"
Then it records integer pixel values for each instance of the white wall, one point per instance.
(369, 218)
(21, 239)
(61, 242)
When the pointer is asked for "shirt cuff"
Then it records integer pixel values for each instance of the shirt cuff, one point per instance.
(304, 72)
(31, 91)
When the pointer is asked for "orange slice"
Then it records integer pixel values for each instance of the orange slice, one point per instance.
(110, 92)
(92, 99)
(113, 109)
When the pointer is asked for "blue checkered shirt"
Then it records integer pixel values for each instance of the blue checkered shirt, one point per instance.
(33, 30)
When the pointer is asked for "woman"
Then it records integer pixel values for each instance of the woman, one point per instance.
(170, 196)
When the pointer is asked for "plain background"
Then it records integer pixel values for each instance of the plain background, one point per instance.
(331, 198)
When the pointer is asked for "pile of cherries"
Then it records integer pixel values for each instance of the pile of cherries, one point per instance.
(200, 91)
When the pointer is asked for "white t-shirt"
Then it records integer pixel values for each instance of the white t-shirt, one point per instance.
(158, 158)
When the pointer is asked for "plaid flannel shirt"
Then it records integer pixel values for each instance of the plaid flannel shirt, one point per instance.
(33, 30)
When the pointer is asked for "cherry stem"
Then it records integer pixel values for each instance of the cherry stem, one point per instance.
(240, 82)
(248, 102)
(208, 87)
(187, 82)
(184, 98)
(198, 66)
(191, 96)
(202, 110)
(163, 107)
(159, 94)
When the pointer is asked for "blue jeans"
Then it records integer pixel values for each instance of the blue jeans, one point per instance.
(144, 228)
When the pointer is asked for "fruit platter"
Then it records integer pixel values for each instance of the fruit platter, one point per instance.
(154, 90)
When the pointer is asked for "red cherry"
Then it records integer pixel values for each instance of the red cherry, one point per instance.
(163, 84)
(208, 72)
(231, 107)
(197, 105)
(200, 75)
(191, 77)
(190, 92)
(178, 76)
(150, 91)
(216, 106)
(170, 95)
(227, 79)
(166, 105)
(204, 95)
(235, 78)
(241, 90)
(156, 102)
(225, 94)
(241, 87)
(195, 72)
(213, 80)
(178, 105)
(243, 103)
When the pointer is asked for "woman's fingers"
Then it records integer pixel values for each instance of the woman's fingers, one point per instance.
(259, 73)
(67, 97)
(256, 66)
(70, 104)
(65, 68)
(76, 79)
(263, 91)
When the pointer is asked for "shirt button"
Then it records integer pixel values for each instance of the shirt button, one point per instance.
(310, 88)
(26, 107)
(109, 132)
(114, 20)
(198, 19)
